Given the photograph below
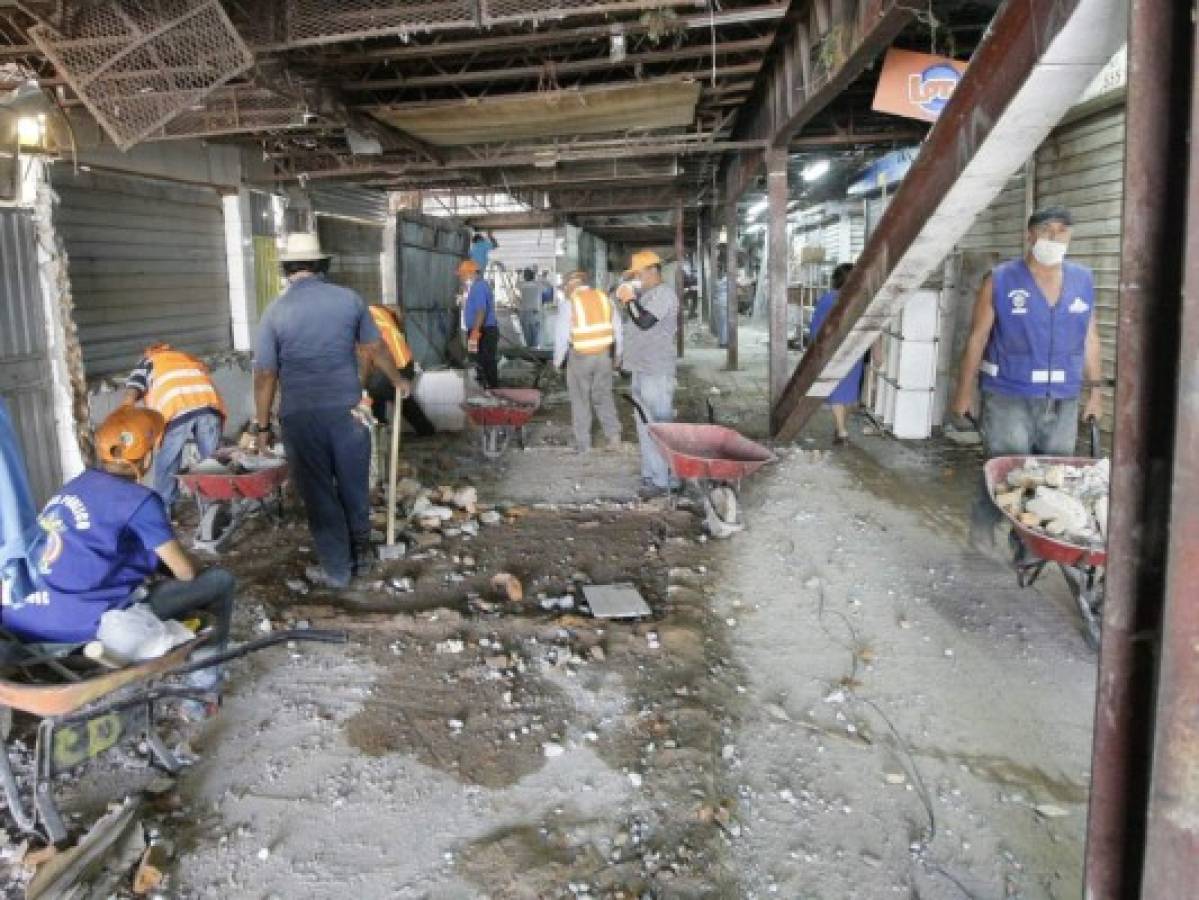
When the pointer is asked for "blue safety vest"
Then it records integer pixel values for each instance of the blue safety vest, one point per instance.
(85, 560)
(1037, 350)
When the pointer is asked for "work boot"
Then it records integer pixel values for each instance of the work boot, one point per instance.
(363, 559)
(320, 578)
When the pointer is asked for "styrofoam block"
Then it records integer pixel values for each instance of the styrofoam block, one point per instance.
(913, 417)
(916, 365)
(918, 321)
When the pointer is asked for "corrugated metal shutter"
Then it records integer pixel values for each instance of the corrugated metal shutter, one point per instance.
(1000, 227)
(857, 233)
(430, 249)
(146, 260)
(25, 380)
(830, 236)
(521, 248)
(349, 202)
(357, 249)
(1081, 167)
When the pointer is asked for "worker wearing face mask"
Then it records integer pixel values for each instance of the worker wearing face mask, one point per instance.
(1034, 349)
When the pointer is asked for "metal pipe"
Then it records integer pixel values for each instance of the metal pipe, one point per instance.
(776, 261)
(679, 280)
(730, 274)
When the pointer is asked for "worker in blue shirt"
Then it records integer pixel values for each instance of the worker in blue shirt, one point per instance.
(102, 537)
(482, 329)
(1033, 347)
(480, 250)
(306, 349)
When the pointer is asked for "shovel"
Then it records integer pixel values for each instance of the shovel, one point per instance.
(390, 550)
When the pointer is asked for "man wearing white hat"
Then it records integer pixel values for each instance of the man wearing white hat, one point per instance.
(306, 347)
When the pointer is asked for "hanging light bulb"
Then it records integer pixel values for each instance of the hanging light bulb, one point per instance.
(31, 133)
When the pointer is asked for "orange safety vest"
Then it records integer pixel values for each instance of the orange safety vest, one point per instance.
(393, 337)
(179, 383)
(591, 329)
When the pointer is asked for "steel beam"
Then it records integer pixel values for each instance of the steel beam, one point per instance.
(769, 12)
(565, 67)
(1032, 65)
(776, 261)
(1153, 531)
(498, 221)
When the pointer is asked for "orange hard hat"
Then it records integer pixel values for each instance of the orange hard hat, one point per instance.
(129, 435)
(467, 267)
(642, 259)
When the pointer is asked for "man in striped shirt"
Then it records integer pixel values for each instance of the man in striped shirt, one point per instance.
(180, 388)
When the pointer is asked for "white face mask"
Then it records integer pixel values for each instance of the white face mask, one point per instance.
(1049, 253)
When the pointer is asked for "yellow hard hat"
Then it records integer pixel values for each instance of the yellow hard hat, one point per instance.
(129, 435)
(467, 267)
(642, 259)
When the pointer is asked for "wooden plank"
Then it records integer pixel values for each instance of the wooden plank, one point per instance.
(777, 257)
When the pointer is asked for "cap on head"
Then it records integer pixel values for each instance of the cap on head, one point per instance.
(642, 259)
(467, 267)
(302, 246)
(1051, 214)
(129, 435)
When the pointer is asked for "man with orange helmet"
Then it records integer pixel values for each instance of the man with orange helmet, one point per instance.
(179, 387)
(103, 536)
(588, 342)
(483, 333)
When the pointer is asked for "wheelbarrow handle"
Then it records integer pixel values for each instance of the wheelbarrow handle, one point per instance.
(637, 406)
(1096, 439)
(279, 637)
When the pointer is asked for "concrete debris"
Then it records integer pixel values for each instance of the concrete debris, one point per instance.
(551, 749)
(490, 517)
(1064, 501)
(1050, 811)
(509, 586)
(450, 645)
(297, 586)
(465, 498)
(151, 871)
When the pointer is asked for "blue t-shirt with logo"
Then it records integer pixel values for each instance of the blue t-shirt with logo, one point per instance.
(95, 547)
(480, 299)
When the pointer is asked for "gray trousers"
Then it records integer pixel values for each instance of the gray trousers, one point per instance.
(1020, 426)
(589, 383)
(655, 395)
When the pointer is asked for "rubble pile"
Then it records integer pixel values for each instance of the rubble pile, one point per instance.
(1063, 501)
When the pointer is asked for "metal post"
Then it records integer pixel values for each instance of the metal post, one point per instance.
(730, 274)
(714, 251)
(679, 281)
(776, 196)
(701, 264)
(1146, 538)
(1167, 49)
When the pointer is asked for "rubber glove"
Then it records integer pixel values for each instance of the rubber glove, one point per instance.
(472, 342)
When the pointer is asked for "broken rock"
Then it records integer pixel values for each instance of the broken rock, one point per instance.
(509, 585)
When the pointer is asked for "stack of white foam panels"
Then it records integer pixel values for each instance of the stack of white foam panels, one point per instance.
(906, 382)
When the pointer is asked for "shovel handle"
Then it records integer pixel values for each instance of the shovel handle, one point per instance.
(396, 425)
(637, 406)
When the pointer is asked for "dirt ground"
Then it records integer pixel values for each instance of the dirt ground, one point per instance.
(841, 701)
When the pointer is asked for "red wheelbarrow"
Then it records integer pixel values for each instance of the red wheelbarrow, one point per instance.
(226, 499)
(1083, 567)
(500, 413)
(715, 459)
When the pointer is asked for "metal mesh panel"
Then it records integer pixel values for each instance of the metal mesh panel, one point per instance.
(237, 109)
(494, 12)
(313, 22)
(138, 66)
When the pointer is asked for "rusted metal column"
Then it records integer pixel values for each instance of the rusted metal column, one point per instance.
(713, 267)
(776, 260)
(679, 281)
(1169, 50)
(1143, 464)
(730, 274)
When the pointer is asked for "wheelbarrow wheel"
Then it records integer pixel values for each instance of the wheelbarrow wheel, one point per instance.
(495, 439)
(1086, 586)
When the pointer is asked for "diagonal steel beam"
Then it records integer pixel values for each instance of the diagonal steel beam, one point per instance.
(1030, 68)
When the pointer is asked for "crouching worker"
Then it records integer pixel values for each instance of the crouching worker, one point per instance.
(379, 385)
(103, 536)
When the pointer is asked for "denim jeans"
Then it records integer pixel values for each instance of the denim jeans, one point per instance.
(212, 591)
(530, 324)
(329, 452)
(1020, 426)
(655, 395)
(205, 429)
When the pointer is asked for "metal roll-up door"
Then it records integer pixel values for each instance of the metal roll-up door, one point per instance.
(357, 251)
(25, 380)
(146, 260)
(1081, 167)
(1000, 228)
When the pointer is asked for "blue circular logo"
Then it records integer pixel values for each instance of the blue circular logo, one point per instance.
(934, 87)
